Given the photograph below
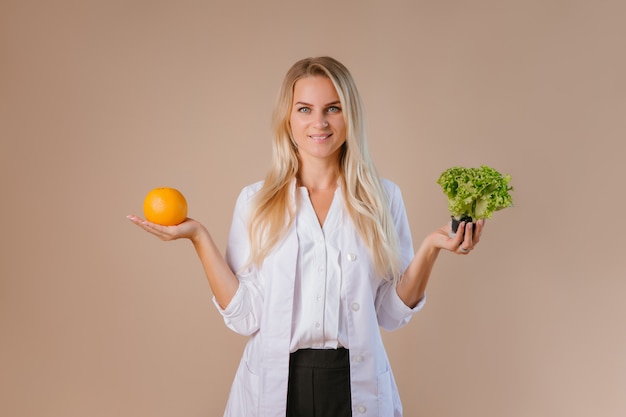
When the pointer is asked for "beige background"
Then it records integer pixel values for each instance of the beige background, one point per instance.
(100, 101)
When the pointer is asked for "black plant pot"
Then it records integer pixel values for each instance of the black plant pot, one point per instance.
(456, 222)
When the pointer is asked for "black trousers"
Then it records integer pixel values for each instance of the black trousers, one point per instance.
(319, 383)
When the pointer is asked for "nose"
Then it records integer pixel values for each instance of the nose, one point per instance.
(321, 120)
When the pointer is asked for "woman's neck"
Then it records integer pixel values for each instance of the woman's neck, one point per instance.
(319, 178)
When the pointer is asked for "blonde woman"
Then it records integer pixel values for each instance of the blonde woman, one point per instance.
(319, 258)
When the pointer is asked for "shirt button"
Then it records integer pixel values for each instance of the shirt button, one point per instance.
(361, 409)
(351, 257)
(320, 269)
(355, 306)
(358, 358)
(317, 325)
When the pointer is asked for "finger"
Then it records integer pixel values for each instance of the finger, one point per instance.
(460, 235)
(144, 224)
(459, 244)
(134, 218)
(152, 228)
(138, 221)
(466, 245)
(469, 233)
(480, 225)
(162, 232)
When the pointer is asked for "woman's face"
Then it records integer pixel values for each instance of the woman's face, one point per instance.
(317, 124)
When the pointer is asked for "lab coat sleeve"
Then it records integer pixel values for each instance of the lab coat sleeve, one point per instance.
(391, 311)
(243, 313)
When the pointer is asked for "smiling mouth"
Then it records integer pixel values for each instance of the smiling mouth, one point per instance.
(321, 137)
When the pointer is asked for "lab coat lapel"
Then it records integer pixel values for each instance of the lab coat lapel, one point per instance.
(279, 270)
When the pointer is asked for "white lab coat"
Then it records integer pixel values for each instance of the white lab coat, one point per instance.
(262, 309)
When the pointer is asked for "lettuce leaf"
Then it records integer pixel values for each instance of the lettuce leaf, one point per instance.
(475, 192)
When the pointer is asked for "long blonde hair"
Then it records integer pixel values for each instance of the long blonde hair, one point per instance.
(274, 211)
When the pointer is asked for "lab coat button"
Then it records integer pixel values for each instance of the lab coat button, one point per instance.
(358, 358)
(361, 409)
(355, 306)
(351, 257)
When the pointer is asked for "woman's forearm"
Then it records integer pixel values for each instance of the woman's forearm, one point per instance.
(221, 278)
(412, 285)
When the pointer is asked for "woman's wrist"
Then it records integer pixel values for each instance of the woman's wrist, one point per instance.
(431, 244)
(198, 234)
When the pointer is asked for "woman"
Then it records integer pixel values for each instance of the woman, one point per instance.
(319, 257)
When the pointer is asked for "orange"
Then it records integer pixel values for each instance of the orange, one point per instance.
(165, 206)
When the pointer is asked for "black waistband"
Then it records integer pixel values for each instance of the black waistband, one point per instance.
(321, 358)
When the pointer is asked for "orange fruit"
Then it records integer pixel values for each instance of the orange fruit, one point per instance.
(165, 206)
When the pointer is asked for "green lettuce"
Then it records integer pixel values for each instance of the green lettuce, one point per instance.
(475, 192)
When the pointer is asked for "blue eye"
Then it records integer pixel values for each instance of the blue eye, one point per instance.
(333, 109)
(304, 110)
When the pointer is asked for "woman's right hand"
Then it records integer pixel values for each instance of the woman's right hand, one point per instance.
(221, 278)
(189, 229)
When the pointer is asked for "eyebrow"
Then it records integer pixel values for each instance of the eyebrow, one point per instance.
(303, 103)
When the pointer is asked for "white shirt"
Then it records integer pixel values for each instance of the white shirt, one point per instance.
(263, 309)
(319, 309)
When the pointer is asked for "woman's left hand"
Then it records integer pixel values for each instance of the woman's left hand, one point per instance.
(463, 242)
(412, 285)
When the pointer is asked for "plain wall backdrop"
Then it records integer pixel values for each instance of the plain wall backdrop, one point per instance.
(101, 101)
